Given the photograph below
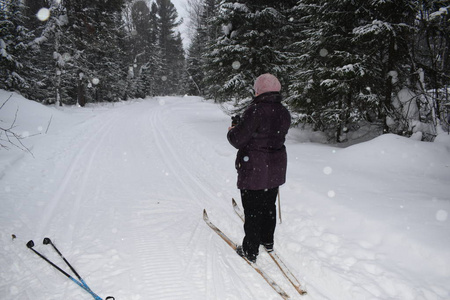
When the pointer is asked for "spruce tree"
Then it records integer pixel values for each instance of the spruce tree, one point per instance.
(42, 62)
(329, 74)
(353, 56)
(205, 33)
(172, 53)
(142, 47)
(97, 45)
(152, 70)
(14, 49)
(384, 40)
(432, 58)
(55, 58)
(250, 45)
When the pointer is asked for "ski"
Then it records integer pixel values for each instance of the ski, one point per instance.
(233, 245)
(281, 265)
(80, 282)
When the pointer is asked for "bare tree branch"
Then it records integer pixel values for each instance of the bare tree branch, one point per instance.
(9, 138)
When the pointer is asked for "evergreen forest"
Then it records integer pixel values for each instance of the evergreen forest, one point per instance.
(345, 65)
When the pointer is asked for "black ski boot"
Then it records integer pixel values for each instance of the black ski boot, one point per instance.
(268, 246)
(240, 251)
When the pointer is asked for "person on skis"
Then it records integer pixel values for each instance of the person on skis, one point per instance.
(261, 162)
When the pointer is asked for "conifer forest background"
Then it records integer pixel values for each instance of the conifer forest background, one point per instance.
(345, 65)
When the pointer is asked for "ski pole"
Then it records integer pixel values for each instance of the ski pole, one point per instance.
(279, 206)
(48, 241)
(30, 245)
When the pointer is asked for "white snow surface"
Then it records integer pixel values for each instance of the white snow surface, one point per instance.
(120, 189)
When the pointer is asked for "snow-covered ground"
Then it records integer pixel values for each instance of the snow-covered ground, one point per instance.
(120, 189)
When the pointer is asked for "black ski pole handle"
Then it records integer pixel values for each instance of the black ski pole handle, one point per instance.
(30, 245)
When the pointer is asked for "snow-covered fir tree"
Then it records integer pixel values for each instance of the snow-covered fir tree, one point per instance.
(14, 49)
(151, 69)
(250, 45)
(97, 50)
(384, 41)
(172, 53)
(155, 54)
(143, 49)
(353, 57)
(432, 60)
(46, 20)
(78, 55)
(205, 32)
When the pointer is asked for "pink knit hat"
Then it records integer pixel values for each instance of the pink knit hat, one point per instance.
(266, 83)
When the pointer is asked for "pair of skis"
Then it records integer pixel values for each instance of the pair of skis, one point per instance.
(80, 282)
(281, 265)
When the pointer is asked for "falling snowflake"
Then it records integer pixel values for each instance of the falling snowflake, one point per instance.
(442, 215)
(43, 14)
(323, 52)
(327, 170)
(236, 65)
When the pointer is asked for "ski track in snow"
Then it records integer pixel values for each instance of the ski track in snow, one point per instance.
(107, 163)
(121, 194)
(78, 173)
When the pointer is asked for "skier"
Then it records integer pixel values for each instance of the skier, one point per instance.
(260, 162)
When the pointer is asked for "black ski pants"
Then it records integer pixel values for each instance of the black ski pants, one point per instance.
(260, 218)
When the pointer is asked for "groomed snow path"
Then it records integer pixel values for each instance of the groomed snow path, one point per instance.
(120, 190)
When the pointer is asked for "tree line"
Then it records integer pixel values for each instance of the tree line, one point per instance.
(343, 64)
(73, 51)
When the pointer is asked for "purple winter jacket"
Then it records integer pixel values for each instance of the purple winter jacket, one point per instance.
(261, 160)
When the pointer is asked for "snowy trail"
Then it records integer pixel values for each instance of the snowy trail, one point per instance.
(120, 190)
(128, 188)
